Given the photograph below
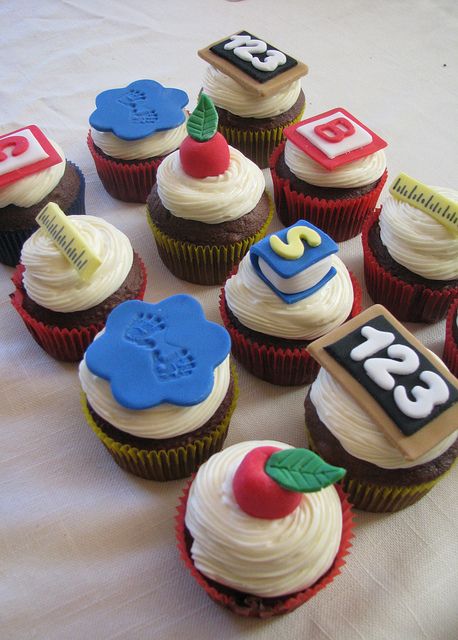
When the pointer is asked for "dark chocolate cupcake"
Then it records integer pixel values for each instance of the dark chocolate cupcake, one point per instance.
(132, 129)
(329, 180)
(274, 305)
(38, 174)
(450, 356)
(63, 313)
(209, 204)
(252, 113)
(262, 543)
(159, 390)
(385, 408)
(411, 260)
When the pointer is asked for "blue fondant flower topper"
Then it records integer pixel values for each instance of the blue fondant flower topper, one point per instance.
(156, 353)
(288, 268)
(139, 110)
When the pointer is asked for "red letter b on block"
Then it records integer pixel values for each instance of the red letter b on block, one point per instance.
(335, 130)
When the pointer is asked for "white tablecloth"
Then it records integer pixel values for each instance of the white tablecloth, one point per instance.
(86, 550)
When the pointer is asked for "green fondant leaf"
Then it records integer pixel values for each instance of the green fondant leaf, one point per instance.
(302, 470)
(203, 122)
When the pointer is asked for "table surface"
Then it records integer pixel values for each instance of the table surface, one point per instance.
(86, 550)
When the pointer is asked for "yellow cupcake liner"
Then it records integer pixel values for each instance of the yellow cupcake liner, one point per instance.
(368, 496)
(257, 145)
(166, 464)
(203, 264)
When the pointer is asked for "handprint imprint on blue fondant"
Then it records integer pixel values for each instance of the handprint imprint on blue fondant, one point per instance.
(139, 110)
(159, 353)
(170, 361)
(134, 102)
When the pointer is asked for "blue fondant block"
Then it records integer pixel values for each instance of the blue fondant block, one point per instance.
(287, 268)
(139, 110)
(156, 353)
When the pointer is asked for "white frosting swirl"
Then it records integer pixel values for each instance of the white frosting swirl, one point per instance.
(357, 432)
(34, 187)
(418, 241)
(163, 421)
(257, 307)
(157, 144)
(52, 282)
(353, 174)
(263, 557)
(215, 199)
(230, 95)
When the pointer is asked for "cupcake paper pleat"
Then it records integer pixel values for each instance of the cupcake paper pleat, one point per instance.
(341, 219)
(203, 264)
(123, 181)
(408, 302)
(255, 606)
(166, 464)
(284, 367)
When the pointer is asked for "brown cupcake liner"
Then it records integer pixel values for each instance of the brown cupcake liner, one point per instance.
(64, 344)
(166, 464)
(203, 264)
(341, 219)
(283, 367)
(123, 181)
(367, 496)
(247, 605)
(408, 302)
(257, 145)
(450, 356)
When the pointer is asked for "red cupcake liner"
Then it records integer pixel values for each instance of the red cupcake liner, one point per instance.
(64, 344)
(284, 367)
(257, 607)
(341, 219)
(450, 356)
(127, 182)
(407, 302)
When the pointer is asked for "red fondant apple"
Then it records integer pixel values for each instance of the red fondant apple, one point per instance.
(257, 493)
(203, 159)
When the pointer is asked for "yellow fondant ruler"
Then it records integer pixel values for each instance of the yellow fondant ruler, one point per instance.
(428, 200)
(68, 240)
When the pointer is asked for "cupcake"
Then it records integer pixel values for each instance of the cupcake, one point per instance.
(384, 407)
(159, 390)
(330, 171)
(256, 96)
(62, 308)
(450, 356)
(411, 252)
(290, 289)
(132, 130)
(209, 204)
(33, 172)
(262, 529)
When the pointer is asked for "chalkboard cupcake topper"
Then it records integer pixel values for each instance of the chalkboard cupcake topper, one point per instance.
(407, 391)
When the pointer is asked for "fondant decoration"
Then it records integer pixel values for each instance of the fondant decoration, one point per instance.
(24, 152)
(334, 138)
(269, 481)
(244, 47)
(296, 272)
(157, 353)
(427, 199)
(204, 152)
(256, 493)
(139, 110)
(253, 63)
(409, 393)
(293, 248)
(68, 239)
(302, 470)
